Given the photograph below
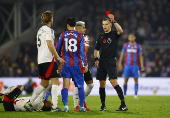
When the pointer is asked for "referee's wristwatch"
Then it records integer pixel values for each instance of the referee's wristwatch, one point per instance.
(114, 21)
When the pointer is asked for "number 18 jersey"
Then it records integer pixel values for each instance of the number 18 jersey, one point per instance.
(43, 34)
(73, 49)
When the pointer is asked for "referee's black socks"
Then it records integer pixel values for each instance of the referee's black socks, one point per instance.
(120, 94)
(102, 95)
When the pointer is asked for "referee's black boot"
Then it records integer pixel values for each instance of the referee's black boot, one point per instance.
(122, 108)
(103, 108)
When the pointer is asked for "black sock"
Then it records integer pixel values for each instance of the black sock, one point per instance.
(14, 94)
(120, 94)
(102, 95)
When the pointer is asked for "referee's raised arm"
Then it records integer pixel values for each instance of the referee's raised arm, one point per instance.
(117, 26)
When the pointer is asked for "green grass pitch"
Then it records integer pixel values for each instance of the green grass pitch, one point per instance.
(146, 107)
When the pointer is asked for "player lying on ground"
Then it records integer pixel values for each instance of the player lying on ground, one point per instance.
(80, 27)
(12, 103)
(131, 51)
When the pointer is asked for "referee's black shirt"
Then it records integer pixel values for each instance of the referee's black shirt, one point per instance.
(107, 43)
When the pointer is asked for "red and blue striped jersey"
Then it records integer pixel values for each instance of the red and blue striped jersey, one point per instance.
(131, 53)
(73, 49)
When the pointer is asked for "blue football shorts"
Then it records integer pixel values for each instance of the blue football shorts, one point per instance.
(134, 70)
(75, 72)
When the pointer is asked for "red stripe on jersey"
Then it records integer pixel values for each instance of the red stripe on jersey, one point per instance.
(131, 56)
(78, 53)
(63, 54)
(85, 54)
(137, 55)
(126, 54)
(70, 53)
(50, 68)
(6, 99)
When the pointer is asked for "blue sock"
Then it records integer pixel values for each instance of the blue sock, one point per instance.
(81, 94)
(64, 94)
(125, 89)
(47, 94)
(136, 89)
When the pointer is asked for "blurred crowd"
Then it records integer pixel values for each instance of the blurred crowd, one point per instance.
(24, 65)
(147, 19)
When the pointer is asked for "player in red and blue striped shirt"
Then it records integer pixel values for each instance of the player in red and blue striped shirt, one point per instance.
(71, 44)
(131, 51)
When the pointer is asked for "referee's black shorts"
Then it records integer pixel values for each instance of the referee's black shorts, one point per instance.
(107, 66)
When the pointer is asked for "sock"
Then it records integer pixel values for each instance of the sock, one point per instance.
(88, 89)
(54, 92)
(36, 93)
(8, 90)
(17, 92)
(125, 89)
(120, 94)
(39, 102)
(102, 95)
(41, 97)
(136, 89)
(47, 94)
(75, 97)
(64, 94)
(81, 94)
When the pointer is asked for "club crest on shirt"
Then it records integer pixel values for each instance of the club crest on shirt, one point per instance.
(109, 41)
(104, 41)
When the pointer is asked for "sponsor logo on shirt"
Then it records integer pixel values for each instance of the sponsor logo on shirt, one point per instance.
(131, 50)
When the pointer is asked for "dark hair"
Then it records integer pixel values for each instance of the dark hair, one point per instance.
(132, 34)
(46, 17)
(71, 21)
(107, 19)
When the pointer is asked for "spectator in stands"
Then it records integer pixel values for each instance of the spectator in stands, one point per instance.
(28, 87)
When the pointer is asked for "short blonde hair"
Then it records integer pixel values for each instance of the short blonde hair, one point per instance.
(46, 17)
(107, 19)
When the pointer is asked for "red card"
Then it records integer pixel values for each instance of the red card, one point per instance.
(107, 13)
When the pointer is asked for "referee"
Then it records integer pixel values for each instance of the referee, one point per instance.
(107, 43)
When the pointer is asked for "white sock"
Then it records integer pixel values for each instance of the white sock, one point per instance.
(75, 97)
(8, 90)
(88, 89)
(41, 97)
(54, 93)
(36, 93)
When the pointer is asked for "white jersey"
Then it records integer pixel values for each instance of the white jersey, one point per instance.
(20, 102)
(86, 40)
(43, 34)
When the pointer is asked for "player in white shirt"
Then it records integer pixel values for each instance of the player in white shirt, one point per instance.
(48, 69)
(12, 103)
(80, 27)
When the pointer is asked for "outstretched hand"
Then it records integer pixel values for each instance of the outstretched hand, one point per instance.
(61, 60)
